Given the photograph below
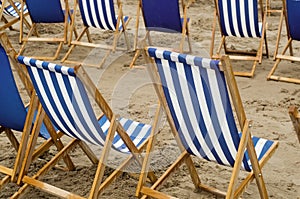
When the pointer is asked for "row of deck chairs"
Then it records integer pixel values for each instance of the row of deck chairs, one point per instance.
(236, 19)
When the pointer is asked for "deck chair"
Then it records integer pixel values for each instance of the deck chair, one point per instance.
(10, 13)
(295, 117)
(14, 116)
(193, 92)
(240, 19)
(64, 95)
(291, 15)
(99, 14)
(45, 12)
(162, 16)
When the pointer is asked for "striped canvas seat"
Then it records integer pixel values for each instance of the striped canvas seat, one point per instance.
(197, 102)
(65, 94)
(242, 19)
(99, 14)
(10, 11)
(239, 18)
(291, 14)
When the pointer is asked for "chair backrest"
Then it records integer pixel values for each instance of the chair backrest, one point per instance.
(197, 97)
(163, 16)
(65, 99)
(12, 109)
(293, 15)
(45, 11)
(98, 14)
(239, 18)
(10, 10)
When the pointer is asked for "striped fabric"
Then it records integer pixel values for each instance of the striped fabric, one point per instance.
(293, 15)
(99, 14)
(239, 18)
(66, 101)
(10, 11)
(196, 93)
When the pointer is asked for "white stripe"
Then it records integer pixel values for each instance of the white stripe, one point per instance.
(172, 92)
(46, 100)
(213, 83)
(251, 18)
(206, 114)
(243, 18)
(191, 112)
(109, 16)
(86, 12)
(100, 11)
(226, 19)
(234, 19)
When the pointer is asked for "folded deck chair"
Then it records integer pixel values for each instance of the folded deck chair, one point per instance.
(99, 14)
(240, 19)
(162, 16)
(13, 117)
(10, 14)
(194, 94)
(291, 15)
(44, 12)
(64, 94)
(295, 117)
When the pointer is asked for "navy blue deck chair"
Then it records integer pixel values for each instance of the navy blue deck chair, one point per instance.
(240, 19)
(42, 12)
(65, 95)
(290, 14)
(164, 17)
(14, 116)
(100, 15)
(196, 96)
(10, 13)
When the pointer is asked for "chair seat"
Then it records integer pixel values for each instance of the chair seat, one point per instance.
(138, 132)
(9, 10)
(261, 147)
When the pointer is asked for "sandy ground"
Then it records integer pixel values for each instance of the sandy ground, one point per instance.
(130, 94)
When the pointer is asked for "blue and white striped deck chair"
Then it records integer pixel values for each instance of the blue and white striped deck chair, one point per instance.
(14, 116)
(101, 15)
(240, 19)
(65, 95)
(291, 15)
(164, 17)
(49, 12)
(194, 94)
(10, 12)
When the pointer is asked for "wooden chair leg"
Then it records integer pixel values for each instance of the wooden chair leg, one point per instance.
(295, 117)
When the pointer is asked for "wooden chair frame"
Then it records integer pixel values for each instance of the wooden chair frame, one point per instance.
(184, 33)
(269, 9)
(23, 159)
(295, 117)
(233, 191)
(240, 54)
(279, 57)
(90, 44)
(9, 23)
(34, 36)
(98, 186)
